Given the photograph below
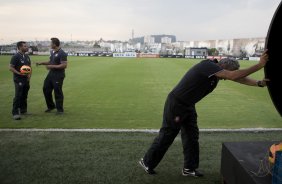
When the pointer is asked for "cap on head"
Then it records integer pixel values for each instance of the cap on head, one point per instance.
(229, 64)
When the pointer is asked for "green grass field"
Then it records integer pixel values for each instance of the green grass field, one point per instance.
(120, 93)
(105, 158)
(130, 93)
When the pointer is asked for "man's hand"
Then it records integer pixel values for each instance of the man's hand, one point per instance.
(263, 82)
(28, 77)
(19, 73)
(263, 59)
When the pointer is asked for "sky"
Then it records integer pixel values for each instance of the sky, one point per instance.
(115, 19)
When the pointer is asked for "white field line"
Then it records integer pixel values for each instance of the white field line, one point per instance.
(133, 130)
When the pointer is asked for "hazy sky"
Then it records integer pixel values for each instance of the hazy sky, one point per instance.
(115, 19)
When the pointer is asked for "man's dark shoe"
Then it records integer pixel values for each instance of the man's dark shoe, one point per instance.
(59, 112)
(17, 117)
(193, 173)
(49, 110)
(146, 168)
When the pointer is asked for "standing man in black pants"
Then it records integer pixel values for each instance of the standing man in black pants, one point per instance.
(180, 112)
(55, 78)
(21, 81)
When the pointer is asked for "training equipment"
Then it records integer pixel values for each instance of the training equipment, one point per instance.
(25, 69)
(246, 162)
(272, 151)
(274, 65)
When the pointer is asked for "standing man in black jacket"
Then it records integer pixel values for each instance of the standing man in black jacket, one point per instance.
(55, 78)
(21, 81)
(180, 113)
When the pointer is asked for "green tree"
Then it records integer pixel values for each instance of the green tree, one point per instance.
(96, 45)
(212, 52)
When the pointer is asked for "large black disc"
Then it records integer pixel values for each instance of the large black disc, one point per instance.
(273, 68)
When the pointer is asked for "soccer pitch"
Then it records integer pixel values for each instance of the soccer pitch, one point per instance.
(106, 158)
(121, 93)
(130, 93)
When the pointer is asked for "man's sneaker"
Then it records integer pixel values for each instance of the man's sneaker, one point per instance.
(49, 110)
(16, 117)
(190, 172)
(147, 169)
(59, 112)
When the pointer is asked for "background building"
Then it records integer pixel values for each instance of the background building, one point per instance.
(156, 44)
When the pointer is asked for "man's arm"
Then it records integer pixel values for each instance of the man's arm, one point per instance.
(12, 65)
(247, 81)
(63, 65)
(12, 69)
(239, 74)
(252, 82)
(43, 63)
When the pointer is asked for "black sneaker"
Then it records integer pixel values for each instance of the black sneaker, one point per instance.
(147, 169)
(59, 112)
(190, 172)
(49, 110)
(17, 117)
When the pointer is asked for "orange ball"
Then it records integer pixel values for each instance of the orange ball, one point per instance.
(25, 69)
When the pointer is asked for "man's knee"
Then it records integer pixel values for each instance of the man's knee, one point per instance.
(167, 135)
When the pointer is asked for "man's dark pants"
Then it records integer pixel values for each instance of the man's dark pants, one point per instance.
(176, 117)
(21, 92)
(54, 81)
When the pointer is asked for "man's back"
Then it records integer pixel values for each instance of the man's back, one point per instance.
(197, 82)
